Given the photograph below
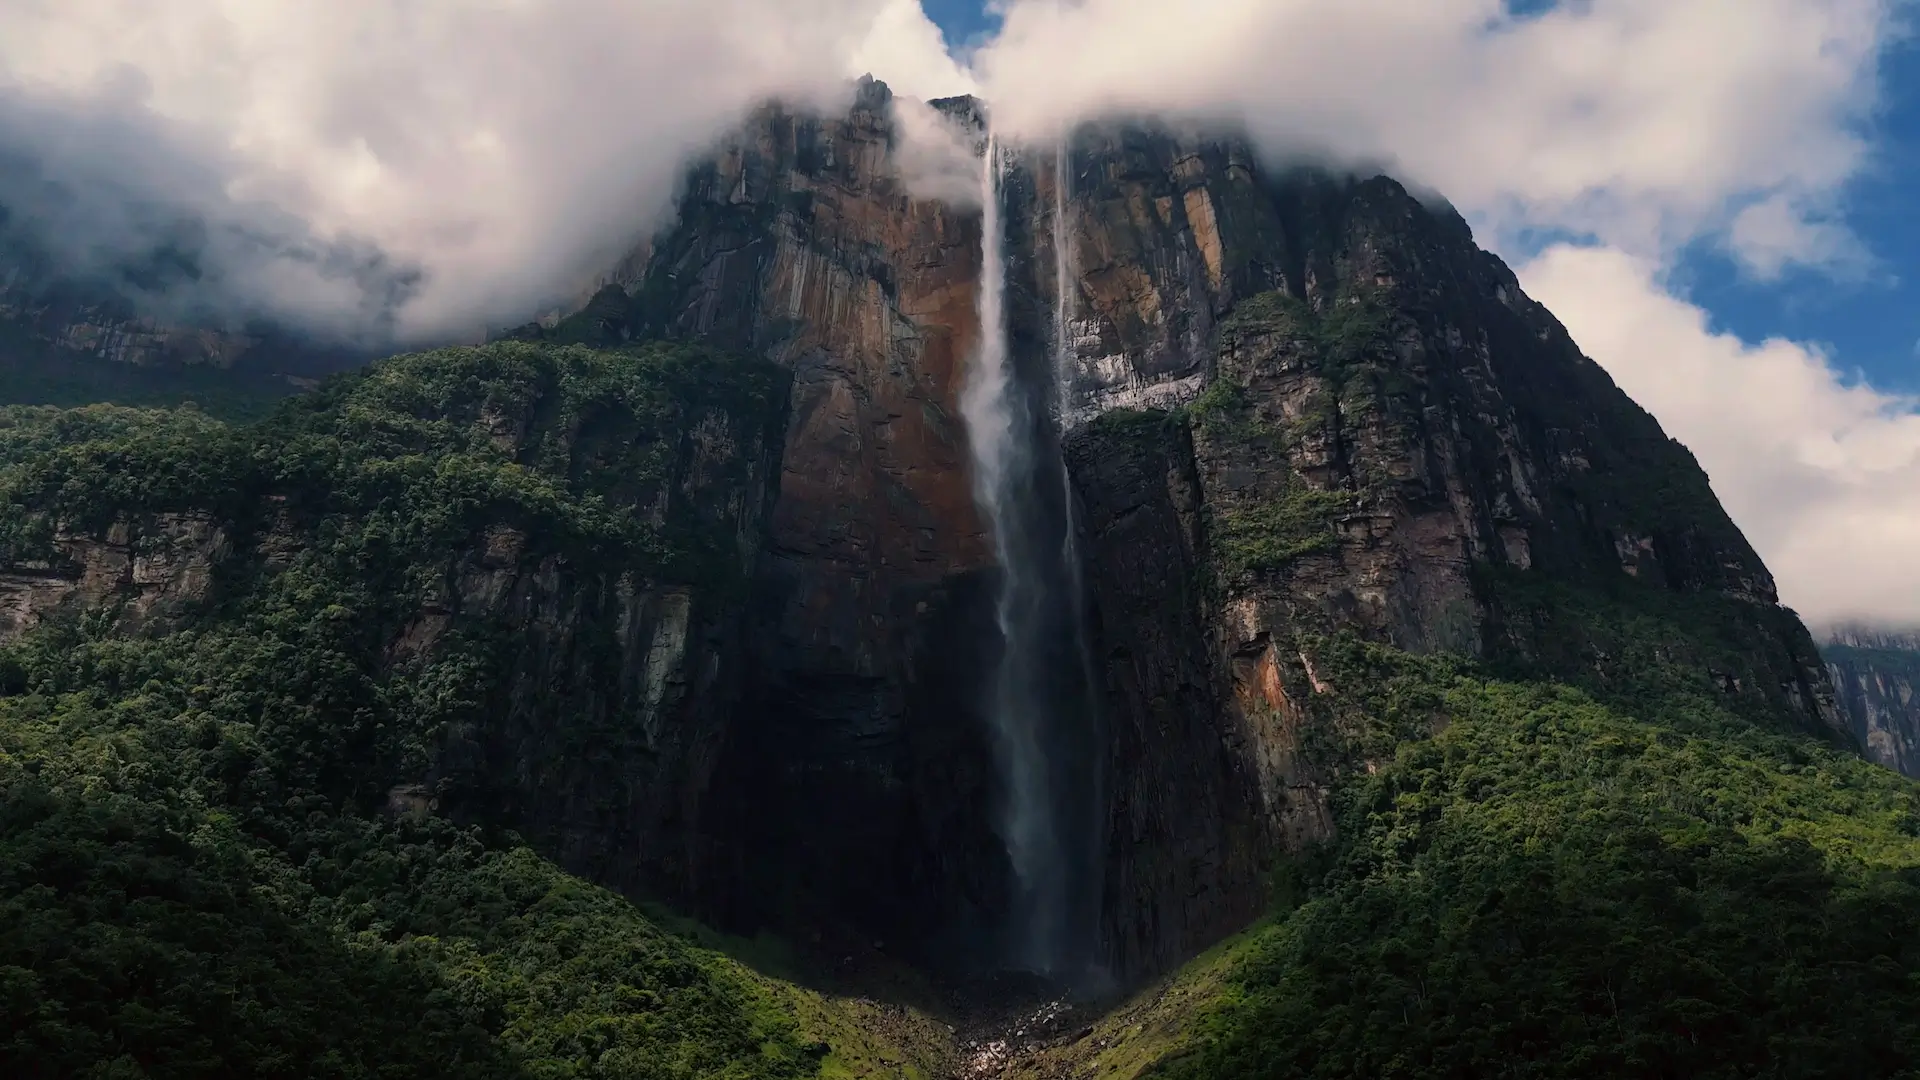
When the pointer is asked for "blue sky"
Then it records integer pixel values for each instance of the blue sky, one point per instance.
(960, 20)
(1870, 323)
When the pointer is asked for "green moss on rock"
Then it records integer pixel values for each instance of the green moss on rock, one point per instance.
(1266, 534)
(1134, 424)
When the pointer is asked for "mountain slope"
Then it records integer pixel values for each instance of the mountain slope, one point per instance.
(1562, 882)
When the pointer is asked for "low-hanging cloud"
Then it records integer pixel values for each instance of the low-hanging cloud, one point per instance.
(937, 157)
(505, 149)
(1642, 123)
(101, 188)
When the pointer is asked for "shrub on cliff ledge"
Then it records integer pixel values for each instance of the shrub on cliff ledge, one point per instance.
(1269, 534)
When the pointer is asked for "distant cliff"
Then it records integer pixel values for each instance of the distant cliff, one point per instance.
(1876, 680)
(141, 312)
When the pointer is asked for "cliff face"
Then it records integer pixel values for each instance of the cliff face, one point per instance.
(1876, 680)
(800, 242)
(1294, 404)
(1300, 404)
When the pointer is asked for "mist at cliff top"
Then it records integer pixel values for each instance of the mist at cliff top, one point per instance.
(417, 170)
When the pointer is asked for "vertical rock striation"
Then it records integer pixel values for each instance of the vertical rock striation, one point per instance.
(1876, 680)
(1305, 404)
(857, 794)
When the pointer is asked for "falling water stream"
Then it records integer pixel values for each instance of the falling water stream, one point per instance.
(1039, 702)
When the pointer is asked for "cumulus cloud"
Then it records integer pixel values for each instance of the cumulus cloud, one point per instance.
(909, 53)
(1773, 234)
(1822, 475)
(507, 148)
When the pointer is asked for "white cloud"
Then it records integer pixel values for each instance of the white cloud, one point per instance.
(1822, 476)
(1773, 234)
(1638, 121)
(504, 145)
(937, 158)
(907, 51)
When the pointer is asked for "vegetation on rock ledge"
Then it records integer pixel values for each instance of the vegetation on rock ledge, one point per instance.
(1268, 534)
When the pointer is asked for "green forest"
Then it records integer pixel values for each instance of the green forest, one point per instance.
(1573, 881)
(196, 875)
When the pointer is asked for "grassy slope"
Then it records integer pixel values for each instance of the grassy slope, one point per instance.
(196, 878)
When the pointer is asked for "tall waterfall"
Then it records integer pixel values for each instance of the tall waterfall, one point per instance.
(1039, 702)
(1084, 799)
(1062, 287)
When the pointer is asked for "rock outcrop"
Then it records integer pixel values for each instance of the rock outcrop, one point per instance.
(146, 571)
(1876, 681)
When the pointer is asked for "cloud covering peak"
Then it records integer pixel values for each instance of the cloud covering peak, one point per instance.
(1643, 123)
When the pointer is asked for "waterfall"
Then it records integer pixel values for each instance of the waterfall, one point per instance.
(998, 421)
(1038, 702)
(1063, 358)
(1091, 801)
